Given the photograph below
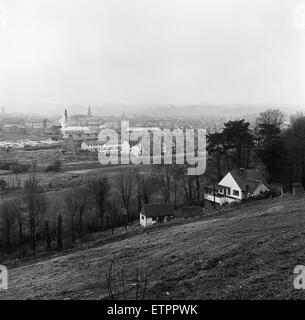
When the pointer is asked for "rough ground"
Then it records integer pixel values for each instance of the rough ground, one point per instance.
(248, 253)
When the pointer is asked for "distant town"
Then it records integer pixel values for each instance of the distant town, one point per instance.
(70, 131)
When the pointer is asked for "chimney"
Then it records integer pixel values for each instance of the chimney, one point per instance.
(89, 112)
(66, 115)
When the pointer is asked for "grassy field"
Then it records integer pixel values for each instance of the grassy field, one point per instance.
(246, 253)
(54, 181)
(45, 157)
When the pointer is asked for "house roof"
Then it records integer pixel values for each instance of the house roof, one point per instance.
(93, 142)
(157, 210)
(84, 136)
(248, 177)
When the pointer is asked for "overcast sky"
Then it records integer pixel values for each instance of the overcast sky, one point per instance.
(151, 51)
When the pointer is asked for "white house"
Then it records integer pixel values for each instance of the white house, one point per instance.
(155, 213)
(237, 185)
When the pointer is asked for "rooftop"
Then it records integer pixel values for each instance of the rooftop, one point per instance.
(157, 210)
(248, 177)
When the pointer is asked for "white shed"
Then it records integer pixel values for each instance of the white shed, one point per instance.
(155, 213)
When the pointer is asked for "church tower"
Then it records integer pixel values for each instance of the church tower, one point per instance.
(89, 115)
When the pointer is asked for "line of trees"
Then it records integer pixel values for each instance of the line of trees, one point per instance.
(281, 150)
(34, 221)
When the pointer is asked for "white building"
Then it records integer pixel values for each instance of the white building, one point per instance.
(68, 129)
(92, 146)
(155, 213)
(237, 185)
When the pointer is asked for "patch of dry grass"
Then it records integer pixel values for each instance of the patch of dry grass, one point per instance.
(248, 253)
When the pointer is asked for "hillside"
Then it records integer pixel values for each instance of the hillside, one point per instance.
(248, 253)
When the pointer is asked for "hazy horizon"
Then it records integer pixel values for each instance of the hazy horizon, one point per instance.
(154, 52)
(171, 111)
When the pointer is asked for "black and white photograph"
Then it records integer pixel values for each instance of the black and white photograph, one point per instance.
(152, 152)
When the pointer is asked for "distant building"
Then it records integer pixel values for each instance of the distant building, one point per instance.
(96, 146)
(9, 128)
(74, 141)
(295, 188)
(69, 129)
(37, 124)
(13, 129)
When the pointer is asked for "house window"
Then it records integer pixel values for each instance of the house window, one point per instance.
(142, 217)
(229, 191)
(236, 193)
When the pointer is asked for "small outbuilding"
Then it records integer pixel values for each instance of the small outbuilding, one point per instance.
(155, 213)
(297, 188)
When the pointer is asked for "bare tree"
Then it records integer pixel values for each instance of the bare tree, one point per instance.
(139, 188)
(8, 221)
(99, 189)
(59, 232)
(146, 186)
(76, 201)
(20, 217)
(187, 183)
(36, 202)
(271, 118)
(47, 234)
(178, 172)
(125, 184)
(112, 209)
(197, 182)
(162, 175)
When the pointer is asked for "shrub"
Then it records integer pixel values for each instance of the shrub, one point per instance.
(55, 167)
(3, 185)
(20, 168)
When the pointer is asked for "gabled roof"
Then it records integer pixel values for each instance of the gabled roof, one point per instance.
(248, 177)
(157, 210)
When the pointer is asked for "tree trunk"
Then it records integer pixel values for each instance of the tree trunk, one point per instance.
(20, 232)
(81, 227)
(139, 195)
(72, 229)
(33, 233)
(101, 212)
(198, 189)
(190, 189)
(126, 222)
(214, 191)
(47, 235)
(175, 197)
(218, 167)
(111, 222)
(168, 189)
(59, 232)
(8, 235)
